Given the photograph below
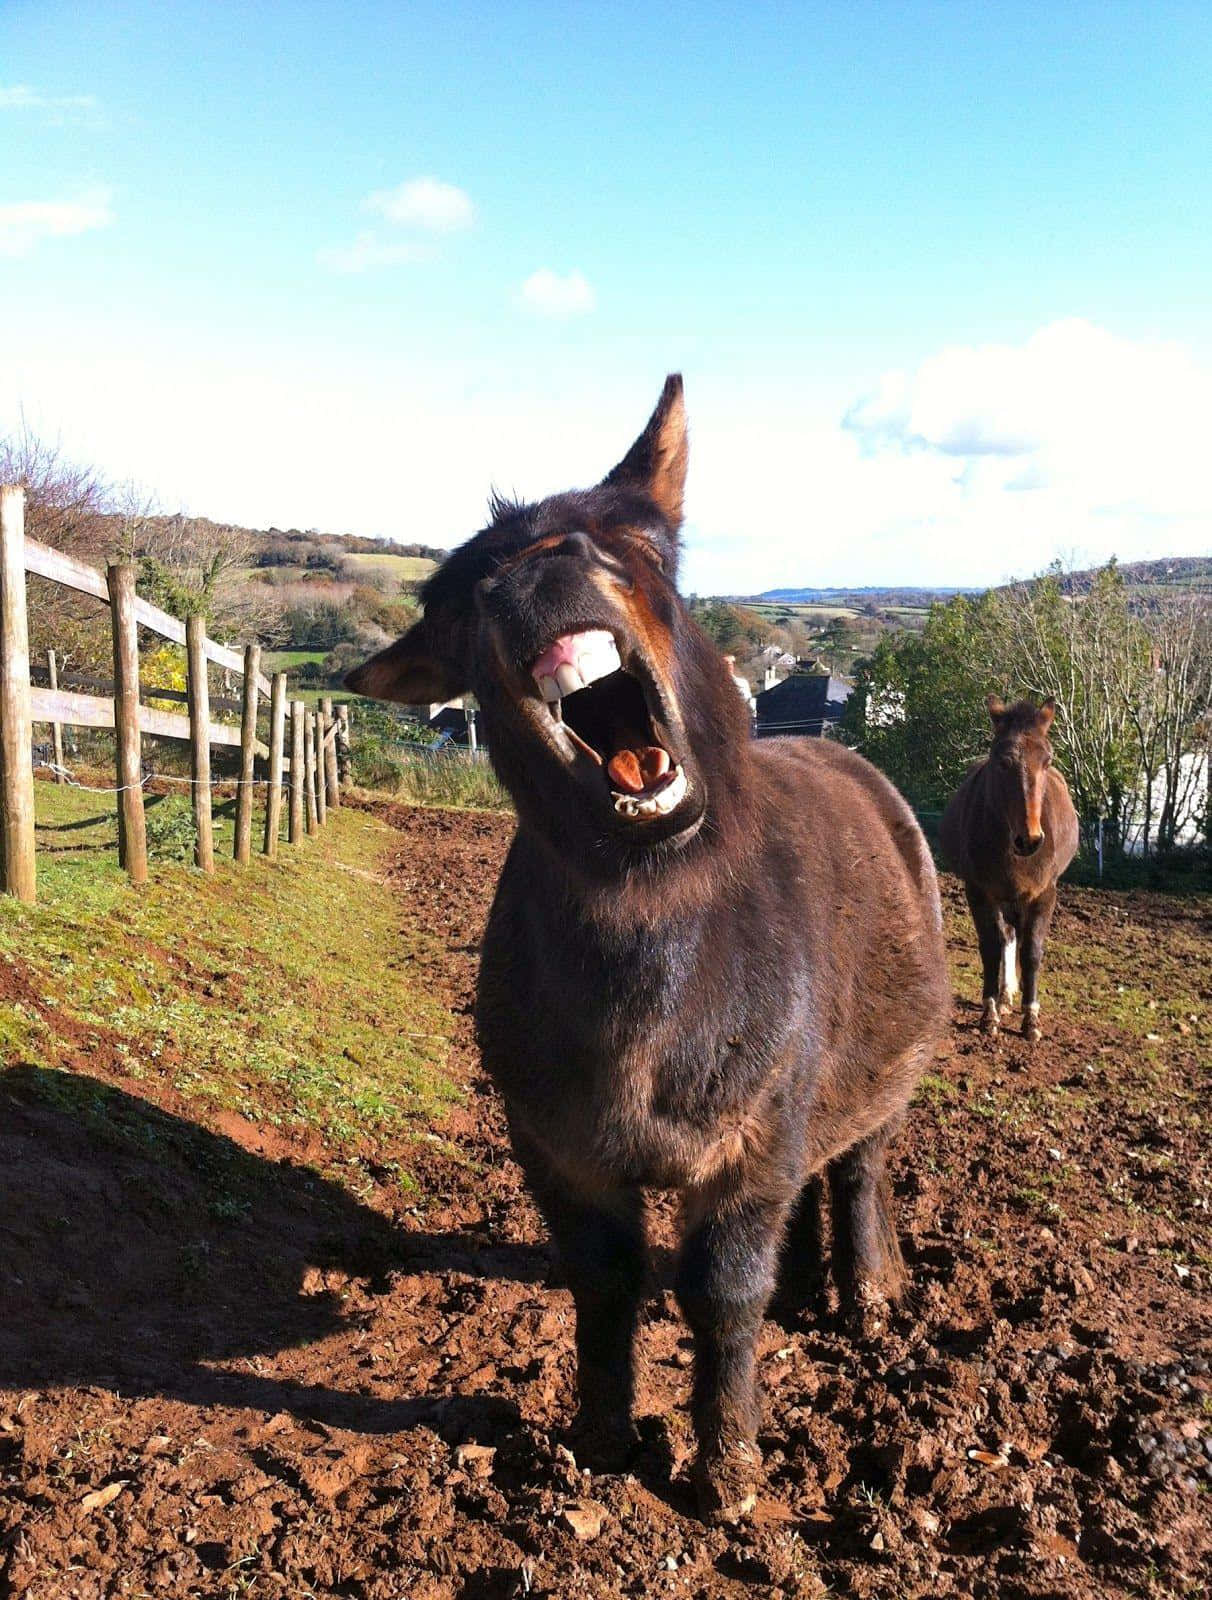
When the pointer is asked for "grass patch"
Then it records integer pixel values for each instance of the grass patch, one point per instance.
(290, 660)
(407, 569)
(445, 778)
(270, 990)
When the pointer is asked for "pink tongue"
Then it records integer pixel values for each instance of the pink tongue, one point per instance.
(563, 653)
(633, 771)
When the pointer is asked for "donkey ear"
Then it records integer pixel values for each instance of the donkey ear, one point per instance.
(411, 671)
(1046, 713)
(656, 462)
(997, 706)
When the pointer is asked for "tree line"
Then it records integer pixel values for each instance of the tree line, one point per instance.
(1131, 674)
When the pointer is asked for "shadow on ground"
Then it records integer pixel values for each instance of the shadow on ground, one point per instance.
(135, 1247)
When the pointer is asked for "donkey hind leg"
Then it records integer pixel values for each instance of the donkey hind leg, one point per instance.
(867, 1261)
(991, 938)
(725, 1278)
(602, 1254)
(801, 1276)
(1035, 932)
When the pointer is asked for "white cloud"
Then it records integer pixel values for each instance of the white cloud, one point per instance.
(1111, 423)
(554, 296)
(25, 223)
(425, 203)
(780, 492)
(368, 251)
(55, 108)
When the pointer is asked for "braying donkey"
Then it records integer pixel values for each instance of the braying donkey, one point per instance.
(713, 965)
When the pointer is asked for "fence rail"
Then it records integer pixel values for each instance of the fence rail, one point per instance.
(315, 767)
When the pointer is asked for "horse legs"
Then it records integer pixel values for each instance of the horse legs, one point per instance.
(1009, 988)
(1036, 924)
(602, 1253)
(867, 1261)
(991, 937)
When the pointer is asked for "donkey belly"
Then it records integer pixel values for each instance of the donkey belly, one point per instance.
(637, 1119)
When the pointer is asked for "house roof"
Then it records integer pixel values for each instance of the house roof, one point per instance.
(802, 702)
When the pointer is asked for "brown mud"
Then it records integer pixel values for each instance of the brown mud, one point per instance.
(223, 1375)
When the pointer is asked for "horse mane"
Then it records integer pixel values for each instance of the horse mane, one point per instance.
(1018, 718)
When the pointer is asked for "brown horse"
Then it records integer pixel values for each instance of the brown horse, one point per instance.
(1009, 832)
(713, 966)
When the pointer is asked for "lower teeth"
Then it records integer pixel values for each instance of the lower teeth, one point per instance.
(657, 805)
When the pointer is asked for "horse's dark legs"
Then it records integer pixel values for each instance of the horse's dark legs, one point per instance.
(1036, 923)
(725, 1278)
(602, 1252)
(991, 938)
(801, 1265)
(867, 1261)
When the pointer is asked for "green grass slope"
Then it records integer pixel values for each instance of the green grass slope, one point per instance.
(258, 994)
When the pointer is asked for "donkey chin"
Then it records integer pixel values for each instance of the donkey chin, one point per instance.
(713, 965)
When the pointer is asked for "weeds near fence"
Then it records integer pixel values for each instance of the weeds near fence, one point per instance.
(446, 778)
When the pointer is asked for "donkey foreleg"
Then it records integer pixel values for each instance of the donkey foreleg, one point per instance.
(867, 1261)
(602, 1251)
(725, 1278)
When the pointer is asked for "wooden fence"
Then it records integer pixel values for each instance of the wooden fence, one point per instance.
(315, 736)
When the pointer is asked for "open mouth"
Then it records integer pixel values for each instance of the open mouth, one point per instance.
(604, 711)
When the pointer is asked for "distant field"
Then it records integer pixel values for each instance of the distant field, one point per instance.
(809, 612)
(405, 568)
(289, 660)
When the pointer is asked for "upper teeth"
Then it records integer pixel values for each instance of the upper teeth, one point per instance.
(656, 805)
(589, 656)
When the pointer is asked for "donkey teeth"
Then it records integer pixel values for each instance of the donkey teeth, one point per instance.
(598, 658)
(656, 805)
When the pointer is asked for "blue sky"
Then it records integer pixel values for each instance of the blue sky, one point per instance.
(937, 275)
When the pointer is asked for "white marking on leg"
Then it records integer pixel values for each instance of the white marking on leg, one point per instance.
(1010, 970)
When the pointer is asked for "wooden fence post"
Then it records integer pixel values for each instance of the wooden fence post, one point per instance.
(297, 759)
(317, 728)
(277, 730)
(309, 770)
(199, 739)
(52, 673)
(132, 827)
(344, 753)
(332, 785)
(19, 874)
(248, 751)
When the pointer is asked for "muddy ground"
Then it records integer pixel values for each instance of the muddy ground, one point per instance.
(323, 1394)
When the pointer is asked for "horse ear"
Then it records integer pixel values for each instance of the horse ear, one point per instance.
(997, 706)
(656, 462)
(412, 671)
(1046, 713)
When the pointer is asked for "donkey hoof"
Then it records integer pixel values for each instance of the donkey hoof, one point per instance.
(990, 1019)
(726, 1483)
(606, 1445)
(1031, 1030)
(866, 1313)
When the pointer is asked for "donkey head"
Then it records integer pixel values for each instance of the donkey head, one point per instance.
(1018, 767)
(608, 715)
